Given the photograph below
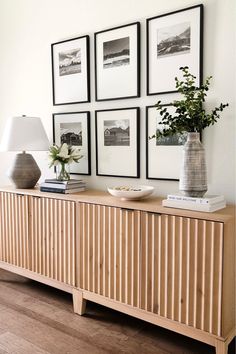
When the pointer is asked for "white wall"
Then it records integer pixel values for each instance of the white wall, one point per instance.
(28, 27)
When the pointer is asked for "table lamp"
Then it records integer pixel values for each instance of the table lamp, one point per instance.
(24, 134)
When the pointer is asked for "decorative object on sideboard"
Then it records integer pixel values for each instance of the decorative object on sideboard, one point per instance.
(24, 134)
(190, 117)
(131, 192)
(197, 207)
(61, 157)
(193, 172)
(209, 203)
(65, 187)
(208, 199)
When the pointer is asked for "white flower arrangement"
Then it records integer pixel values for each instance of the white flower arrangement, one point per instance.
(63, 154)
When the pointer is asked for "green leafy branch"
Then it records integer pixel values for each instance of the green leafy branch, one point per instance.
(189, 116)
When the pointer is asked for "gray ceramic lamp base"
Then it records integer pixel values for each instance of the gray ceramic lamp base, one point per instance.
(25, 172)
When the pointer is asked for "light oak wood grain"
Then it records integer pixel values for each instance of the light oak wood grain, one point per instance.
(167, 245)
(108, 252)
(79, 303)
(173, 268)
(152, 204)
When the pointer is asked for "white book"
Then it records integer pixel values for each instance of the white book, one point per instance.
(193, 206)
(208, 199)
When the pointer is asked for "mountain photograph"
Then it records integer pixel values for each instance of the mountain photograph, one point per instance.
(116, 53)
(70, 62)
(174, 40)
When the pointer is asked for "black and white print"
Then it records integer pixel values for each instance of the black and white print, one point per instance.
(71, 133)
(174, 140)
(116, 53)
(117, 142)
(117, 132)
(73, 128)
(117, 62)
(173, 40)
(70, 62)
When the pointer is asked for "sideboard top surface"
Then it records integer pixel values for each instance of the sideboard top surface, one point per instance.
(152, 204)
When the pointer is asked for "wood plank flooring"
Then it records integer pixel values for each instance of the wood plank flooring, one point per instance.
(36, 319)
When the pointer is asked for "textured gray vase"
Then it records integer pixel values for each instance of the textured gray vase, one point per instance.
(25, 172)
(193, 174)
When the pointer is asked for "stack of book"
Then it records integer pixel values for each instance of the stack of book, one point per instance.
(65, 187)
(209, 203)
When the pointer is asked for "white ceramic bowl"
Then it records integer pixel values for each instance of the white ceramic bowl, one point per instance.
(139, 192)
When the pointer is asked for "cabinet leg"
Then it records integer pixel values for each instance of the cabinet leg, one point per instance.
(221, 347)
(79, 303)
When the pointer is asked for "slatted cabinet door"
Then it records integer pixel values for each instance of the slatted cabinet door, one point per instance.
(14, 246)
(181, 270)
(52, 238)
(108, 252)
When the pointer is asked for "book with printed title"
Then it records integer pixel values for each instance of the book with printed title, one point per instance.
(208, 199)
(193, 206)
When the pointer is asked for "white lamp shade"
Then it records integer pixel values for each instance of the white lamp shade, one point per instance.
(24, 134)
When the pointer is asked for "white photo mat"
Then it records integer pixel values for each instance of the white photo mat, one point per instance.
(117, 81)
(74, 123)
(165, 59)
(112, 160)
(73, 86)
(163, 161)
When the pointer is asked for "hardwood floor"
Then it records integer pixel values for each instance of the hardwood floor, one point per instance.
(36, 319)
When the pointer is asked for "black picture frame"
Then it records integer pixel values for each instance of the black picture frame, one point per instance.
(84, 166)
(122, 157)
(103, 78)
(155, 155)
(160, 77)
(71, 82)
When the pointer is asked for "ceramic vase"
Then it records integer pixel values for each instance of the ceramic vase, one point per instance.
(193, 174)
(24, 172)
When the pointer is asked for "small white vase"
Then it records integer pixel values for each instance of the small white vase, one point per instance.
(193, 174)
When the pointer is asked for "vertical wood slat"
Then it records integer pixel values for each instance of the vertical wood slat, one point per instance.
(108, 252)
(14, 229)
(219, 329)
(52, 238)
(39, 234)
(179, 249)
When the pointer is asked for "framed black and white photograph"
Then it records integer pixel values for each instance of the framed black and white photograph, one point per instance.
(117, 62)
(163, 155)
(117, 142)
(74, 130)
(70, 71)
(174, 40)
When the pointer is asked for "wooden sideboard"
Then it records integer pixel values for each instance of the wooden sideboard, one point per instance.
(174, 268)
